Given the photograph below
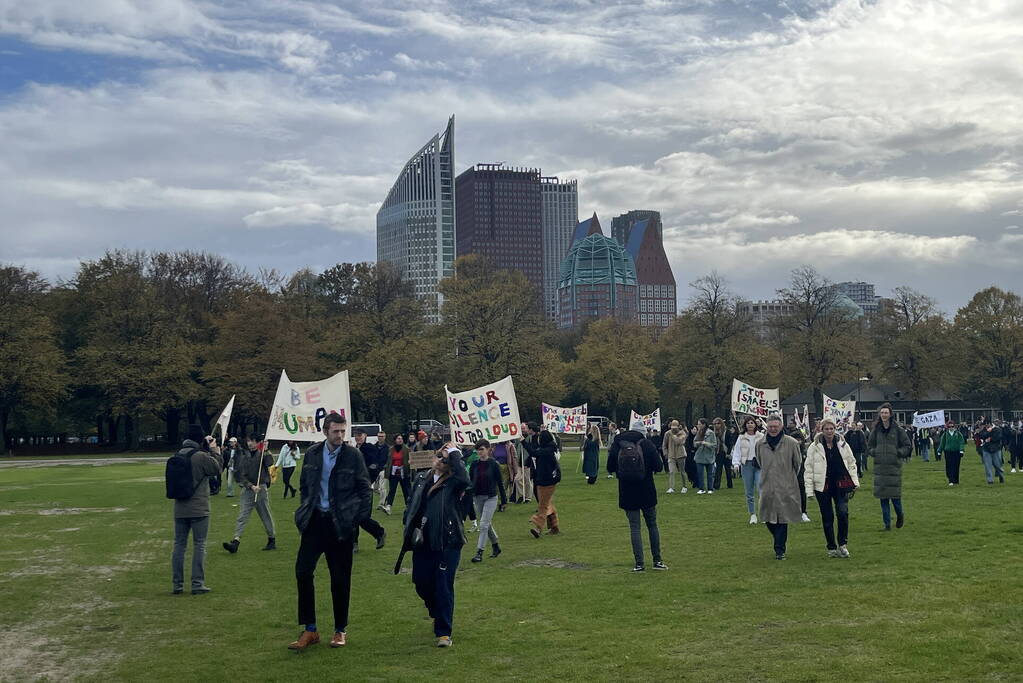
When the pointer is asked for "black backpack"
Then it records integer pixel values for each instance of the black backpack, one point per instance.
(631, 464)
(178, 476)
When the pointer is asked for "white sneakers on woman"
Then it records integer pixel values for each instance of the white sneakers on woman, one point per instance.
(752, 519)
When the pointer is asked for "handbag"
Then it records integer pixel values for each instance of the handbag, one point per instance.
(418, 537)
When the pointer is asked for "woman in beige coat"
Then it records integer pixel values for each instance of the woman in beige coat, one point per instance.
(779, 457)
(674, 448)
(831, 478)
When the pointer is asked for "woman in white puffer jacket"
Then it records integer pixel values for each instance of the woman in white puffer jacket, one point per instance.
(830, 476)
(744, 460)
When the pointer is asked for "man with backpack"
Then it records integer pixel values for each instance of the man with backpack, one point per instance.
(252, 472)
(635, 460)
(187, 479)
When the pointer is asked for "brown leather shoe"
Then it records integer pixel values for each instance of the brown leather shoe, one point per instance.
(305, 640)
(339, 639)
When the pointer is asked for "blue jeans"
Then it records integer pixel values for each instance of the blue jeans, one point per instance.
(925, 452)
(886, 513)
(750, 482)
(992, 465)
(199, 526)
(704, 476)
(433, 573)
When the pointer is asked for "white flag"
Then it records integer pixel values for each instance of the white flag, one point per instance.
(224, 420)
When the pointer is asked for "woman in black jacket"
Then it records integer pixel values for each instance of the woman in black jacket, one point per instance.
(546, 475)
(636, 491)
(434, 534)
(486, 481)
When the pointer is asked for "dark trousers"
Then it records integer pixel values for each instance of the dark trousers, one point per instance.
(840, 500)
(886, 513)
(320, 538)
(780, 532)
(395, 483)
(288, 471)
(860, 463)
(952, 462)
(372, 527)
(433, 573)
(722, 466)
(636, 533)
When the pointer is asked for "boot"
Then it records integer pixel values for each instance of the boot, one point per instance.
(496, 550)
(232, 547)
(478, 557)
(271, 544)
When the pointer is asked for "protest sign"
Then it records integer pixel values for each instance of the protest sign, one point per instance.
(558, 420)
(750, 400)
(224, 420)
(300, 407)
(843, 413)
(651, 421)
(932, 419)
(421, 460)
(490, 412)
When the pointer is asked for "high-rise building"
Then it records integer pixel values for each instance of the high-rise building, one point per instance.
(416, 223)
(598, 279)
(560, 216)
(640, 233)
(862, 294)
(498, 214)
(621, 226)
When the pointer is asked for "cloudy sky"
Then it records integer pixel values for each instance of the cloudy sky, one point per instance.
(879, 140)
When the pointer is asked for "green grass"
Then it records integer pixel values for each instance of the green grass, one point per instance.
(87, 595)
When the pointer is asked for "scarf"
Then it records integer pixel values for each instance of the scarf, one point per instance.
(773, 441)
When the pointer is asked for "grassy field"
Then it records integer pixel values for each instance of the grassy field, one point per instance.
(85, 579)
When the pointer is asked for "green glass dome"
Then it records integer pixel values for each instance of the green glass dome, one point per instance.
(597, 260)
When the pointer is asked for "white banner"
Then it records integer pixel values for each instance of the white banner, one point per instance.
(749, 400)
(299, 408)
(224, 420)
(932, 419)
(842, 412)
(558, 420)
(490, 412)
(651, 421)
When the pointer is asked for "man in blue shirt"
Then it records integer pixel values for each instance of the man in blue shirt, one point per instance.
(336, 498)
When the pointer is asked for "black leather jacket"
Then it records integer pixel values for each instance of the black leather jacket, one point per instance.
(447, 532)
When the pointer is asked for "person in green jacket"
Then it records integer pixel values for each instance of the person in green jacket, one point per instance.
(890, 447)
(706, 444)
(952, 444)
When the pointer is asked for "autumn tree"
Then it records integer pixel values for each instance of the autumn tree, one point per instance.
(991, 328)
(614, 367)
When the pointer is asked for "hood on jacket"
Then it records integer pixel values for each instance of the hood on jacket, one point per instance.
(632, 435)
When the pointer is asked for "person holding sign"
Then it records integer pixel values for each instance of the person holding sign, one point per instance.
(252, 472)
(399, 473)
(889, 446)
(546, 476)
(591, 454)
(831, 478)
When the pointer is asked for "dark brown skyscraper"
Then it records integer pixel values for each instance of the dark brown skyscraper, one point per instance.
(498, 214)
(641, 234)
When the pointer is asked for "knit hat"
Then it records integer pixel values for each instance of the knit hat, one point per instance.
(194, 433)
(420, 434)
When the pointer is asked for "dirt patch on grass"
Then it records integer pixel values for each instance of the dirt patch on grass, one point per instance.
(552, 563)
(78, 511)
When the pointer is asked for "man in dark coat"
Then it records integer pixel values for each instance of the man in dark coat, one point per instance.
(636, 459)
(335, 498)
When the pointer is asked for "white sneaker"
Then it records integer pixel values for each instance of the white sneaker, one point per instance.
(951, 484)
(671, 491)
(710, 491)
(609, 476)
(1013, 470)
(752, 519)
(475, 526)
(843, 551)
(805, 518)
(700, 492)
(685, 490)
(387, 509)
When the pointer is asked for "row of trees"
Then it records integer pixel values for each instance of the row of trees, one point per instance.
(139, 342)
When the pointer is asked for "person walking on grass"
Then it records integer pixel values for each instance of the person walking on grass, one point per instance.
(723, 453)
(546, 475)
(591, 453)
(830, 477)
(780, 458)
(674, 447)
(434, 534)
(991, 451)
(890, 448)
(382, 460)
(230, 455)
(335, 498)
(252, 472)
(399, 473)
(706, 452)
(287, 460)
(635, 460)
(370, 458)
(1015, 444)
(800, 438)
(192, 514)
(857, 441)
(952, 445)
(486, 482)
(744, 462)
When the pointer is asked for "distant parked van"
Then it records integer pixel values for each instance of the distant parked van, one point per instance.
(601, 422)
(371, 429)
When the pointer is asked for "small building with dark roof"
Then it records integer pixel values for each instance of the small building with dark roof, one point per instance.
(869, 397)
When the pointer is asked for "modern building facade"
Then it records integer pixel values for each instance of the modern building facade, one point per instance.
(862, 294)
(598, 279)
(416, 222)
(560, 202)
(499, 215)
(643, 240)
(763, 313)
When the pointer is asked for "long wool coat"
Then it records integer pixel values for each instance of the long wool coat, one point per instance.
(889, 449)
(779, 481)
